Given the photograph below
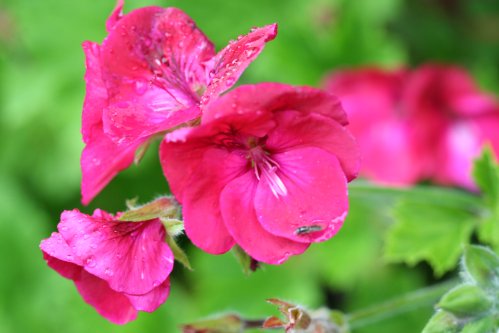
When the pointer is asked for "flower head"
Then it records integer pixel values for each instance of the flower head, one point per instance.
(267, 169)
(428, 123)
(154, 71)
(119, 268)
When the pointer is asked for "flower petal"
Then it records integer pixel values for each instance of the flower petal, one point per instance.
(101, 160)
(273, 98)
(201, 201)
(315, 204)
(96, 95)
(296, 130)
(60, 257)
(153, 299)
(110, 304)
(238, 212)
(230, 63)
(132, 257)
(115, 16)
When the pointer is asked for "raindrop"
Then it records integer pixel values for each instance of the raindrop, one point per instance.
(108, 271)
(69, 257)
(140, 87)
(90, 262)
(142, 276)
(230, 81)
(155, 283)
(251, 52)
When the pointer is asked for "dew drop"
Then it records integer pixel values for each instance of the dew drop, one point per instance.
(140, 87)
(230, 81)
(90, 262)
(108, 271)
(142, 276)
(155, 283)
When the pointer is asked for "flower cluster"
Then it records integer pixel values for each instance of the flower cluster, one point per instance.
(263, 166)
(423, 124)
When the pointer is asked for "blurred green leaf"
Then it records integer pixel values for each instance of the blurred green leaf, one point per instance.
(424, 231)
(229, 323)
(486, 174)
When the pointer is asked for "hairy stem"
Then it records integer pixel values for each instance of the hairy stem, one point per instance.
(404, 303)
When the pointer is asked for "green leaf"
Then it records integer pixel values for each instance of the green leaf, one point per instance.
(465, 301)
(482, 265)
(442, 322)
(425, 230)
(178, 253)
(486, 175)
(162, 207)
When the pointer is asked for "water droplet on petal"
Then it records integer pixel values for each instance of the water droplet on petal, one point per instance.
(142, 276)
(108, 271)
(230, 81)
(155, 283)
(140, 87)
(90, 262)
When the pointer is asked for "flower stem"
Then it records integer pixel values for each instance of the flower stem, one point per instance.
(401, 304)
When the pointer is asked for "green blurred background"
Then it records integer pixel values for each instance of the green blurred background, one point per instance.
(41, 95)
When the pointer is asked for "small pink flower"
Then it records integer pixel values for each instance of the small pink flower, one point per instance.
(428, 123)
(267, 169)
(119, 268)
(154, 71)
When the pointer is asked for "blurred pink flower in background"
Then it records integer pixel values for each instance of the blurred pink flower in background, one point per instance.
(153, 72)
(267, 169)
(424, 124)
(118, 267)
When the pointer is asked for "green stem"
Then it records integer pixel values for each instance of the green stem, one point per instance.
(404, 303)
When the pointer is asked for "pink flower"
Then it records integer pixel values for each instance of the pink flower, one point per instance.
(428, 123)
(153, 72)
(119, 268)
(267, 169)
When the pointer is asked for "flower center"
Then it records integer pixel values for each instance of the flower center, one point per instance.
(266, 168)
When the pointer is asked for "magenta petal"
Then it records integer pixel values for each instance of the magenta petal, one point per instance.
(96, 96)
(273, 98)
(297, 131)
(101, 160)
(236, 202)
(314, 203)
(110, 304)
(153, 299)
(132, 257)
(139, 116)
(202, 217)
(60, 257)
(231, 62)
(115, 16)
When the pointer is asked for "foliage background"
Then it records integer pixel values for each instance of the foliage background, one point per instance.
(41, 94)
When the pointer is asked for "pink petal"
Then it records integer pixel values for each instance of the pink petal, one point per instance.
(390, 156)
(110, 304)
(159, 44)
(236, 202)
(315, 203)
(153, 299)
(115, 16)
(101, 160)
(461, 144)
(182, 152)
(201, 201)
(273, 98)
(368, 95)
(230, 63)
(60, 257)
(132, 257)
(296, 130)
(138, 116)
(96, 96)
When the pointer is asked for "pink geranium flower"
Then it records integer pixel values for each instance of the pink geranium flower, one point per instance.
(119, 268)
(428, 123)
(267, 169)
(154, 71)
